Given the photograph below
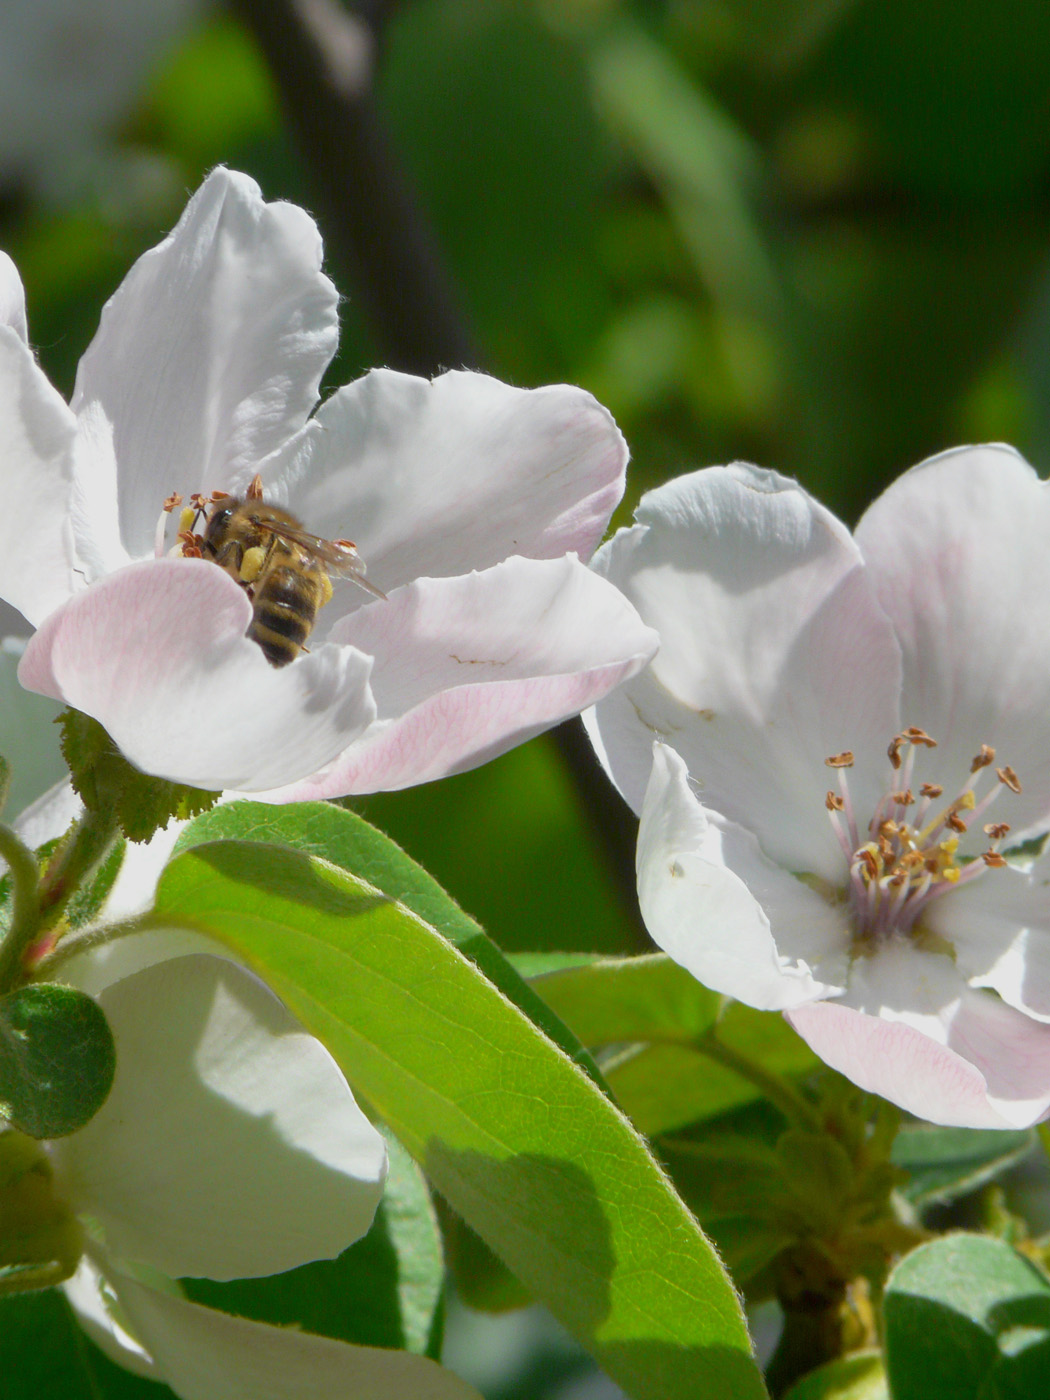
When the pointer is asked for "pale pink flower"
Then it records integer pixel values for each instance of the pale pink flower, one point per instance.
(469, 502)
(857, 898)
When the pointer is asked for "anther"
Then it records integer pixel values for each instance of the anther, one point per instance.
(903, 799)
(984, 759)
(833, 802)
(932, 790)
(955, 822)
(993, 858)
(997, 830)
(893, 753)
(1009, 778)
(840, 760)
(172, 502)
(255, 489)
(914, 735)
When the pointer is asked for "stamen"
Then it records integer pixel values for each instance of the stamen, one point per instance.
(984, 759)
(172, 502)
(911, 853)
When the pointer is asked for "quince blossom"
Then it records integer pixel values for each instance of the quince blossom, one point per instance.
(469, 502)
(849, 733)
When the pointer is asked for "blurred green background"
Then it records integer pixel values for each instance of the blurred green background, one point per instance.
(812, 234)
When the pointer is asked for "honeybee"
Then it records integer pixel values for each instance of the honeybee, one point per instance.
(286, 572)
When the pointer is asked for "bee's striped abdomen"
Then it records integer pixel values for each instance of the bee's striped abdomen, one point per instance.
(285, 608)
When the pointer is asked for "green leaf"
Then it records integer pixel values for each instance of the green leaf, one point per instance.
(663, 1087)
(57, 1059)
(347, 840)
(859, 1377)
(943, 1163)
(521, 1142)
(967, 1318)
(619, 999)
(384, 1291)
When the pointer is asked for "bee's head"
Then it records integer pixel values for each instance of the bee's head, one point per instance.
(219, 519)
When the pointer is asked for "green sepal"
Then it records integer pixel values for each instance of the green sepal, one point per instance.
(57, 1059)
(106, 782)
(41, 1240)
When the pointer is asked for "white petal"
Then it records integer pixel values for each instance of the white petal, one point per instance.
(203, 1354)
(29, 738)
(467, 667)
(726, 913)
(92, 1298)
(12, 299)
(37, 431)
(911, 1030)
(53, 813)
(773, 656)
(210, 353)
(957, 550)
(999, 928)
(157, 654)
(230, 1145)
(436, 479)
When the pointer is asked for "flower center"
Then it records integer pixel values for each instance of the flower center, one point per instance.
(909, 853)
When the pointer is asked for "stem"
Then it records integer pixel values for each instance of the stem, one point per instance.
(25, 922)
(86, 843)
(779, 1092)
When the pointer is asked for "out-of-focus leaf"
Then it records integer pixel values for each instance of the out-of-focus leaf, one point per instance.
(384, 1291)
(523, 1145)
(858, 1377)
(703, 165)
(620, 999)
(943, 1163)
(967, 1318)
(665, 1087)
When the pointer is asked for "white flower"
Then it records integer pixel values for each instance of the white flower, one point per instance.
(867, 899)
(468, 500)
(230, 1147)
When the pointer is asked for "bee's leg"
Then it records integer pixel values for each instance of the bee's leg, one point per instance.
(252, 563)
(231, 558)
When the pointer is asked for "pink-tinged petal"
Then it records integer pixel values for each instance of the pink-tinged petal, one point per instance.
(773, 655)
(230, 1145)
(157, 654)
(12, 299)
(210, 353)
(201, 1354)
(726, 913)
(37, 431)
(437, 479)
(99, 1313)
(911, 1030)
(999, 929)
(467, 667)
(957, 551)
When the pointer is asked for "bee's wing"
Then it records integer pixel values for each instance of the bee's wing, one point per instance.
(338, 557)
